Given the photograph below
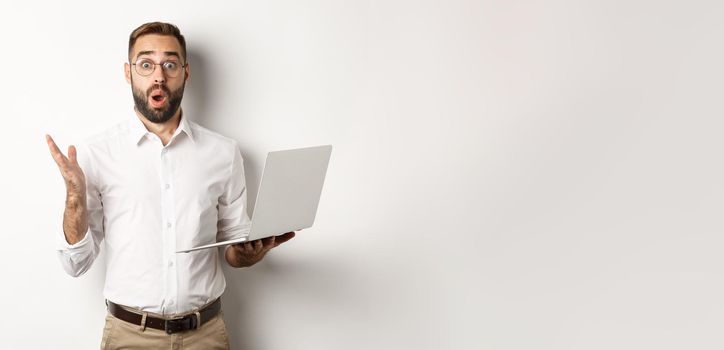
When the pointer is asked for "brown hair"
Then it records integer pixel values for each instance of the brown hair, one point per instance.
(157, 28)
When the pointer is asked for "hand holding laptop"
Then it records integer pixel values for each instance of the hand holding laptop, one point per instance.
(249, 253)
(288, 196)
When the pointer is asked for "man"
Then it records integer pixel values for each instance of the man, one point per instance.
(149, 186)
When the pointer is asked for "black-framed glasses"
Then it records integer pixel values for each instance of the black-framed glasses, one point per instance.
(145, 67)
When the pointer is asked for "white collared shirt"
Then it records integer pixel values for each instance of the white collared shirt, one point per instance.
(146, 201)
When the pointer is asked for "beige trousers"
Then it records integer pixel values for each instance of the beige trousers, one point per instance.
(119, 334)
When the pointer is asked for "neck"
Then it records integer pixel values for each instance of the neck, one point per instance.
(165, 130)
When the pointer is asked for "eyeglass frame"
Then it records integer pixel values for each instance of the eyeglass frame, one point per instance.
(182, 66)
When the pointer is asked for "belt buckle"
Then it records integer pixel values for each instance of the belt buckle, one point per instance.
(191, 321)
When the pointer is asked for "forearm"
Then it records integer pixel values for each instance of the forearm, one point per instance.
(75, 219)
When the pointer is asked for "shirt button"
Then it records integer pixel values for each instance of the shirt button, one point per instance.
(168, 224)
(170, 263)
(167, 186)
(170, 302)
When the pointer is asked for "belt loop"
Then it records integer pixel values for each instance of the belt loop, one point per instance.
(198, 319)
(143, 322)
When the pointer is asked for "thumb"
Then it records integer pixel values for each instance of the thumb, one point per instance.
(72, 154)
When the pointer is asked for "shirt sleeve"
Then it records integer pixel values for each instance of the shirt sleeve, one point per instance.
(77, 258)
(233, 220)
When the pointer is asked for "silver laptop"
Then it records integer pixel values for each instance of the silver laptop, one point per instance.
(288, 196)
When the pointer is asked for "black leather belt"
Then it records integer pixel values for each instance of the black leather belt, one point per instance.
(173, 325)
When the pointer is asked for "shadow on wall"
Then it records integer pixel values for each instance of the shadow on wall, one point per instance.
(199, 104)
(198, 90)
(308, 283)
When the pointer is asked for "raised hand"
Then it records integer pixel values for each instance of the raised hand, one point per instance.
(69, 168)
(75, 218)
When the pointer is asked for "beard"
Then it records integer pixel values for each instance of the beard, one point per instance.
(158, 115)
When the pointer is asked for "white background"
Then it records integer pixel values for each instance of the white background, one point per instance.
(505, 174)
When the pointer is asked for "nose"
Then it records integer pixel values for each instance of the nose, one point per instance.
(159, 77)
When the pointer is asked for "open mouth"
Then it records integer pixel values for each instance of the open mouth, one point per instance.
(158, 98)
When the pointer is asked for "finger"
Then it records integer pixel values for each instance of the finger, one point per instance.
(248, 249)
(268, 241)
(266, 244)
(72, 154)
(55, 151)
(285, 237)
(258, 246)
(242, 248)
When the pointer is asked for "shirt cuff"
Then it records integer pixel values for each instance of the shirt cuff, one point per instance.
(78, 247)
(236, 232)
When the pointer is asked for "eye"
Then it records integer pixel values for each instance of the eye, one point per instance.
(170, 65)
(146, 65)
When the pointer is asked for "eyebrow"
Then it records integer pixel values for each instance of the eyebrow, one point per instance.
(167, 53)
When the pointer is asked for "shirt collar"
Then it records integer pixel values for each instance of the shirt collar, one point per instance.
(138, 130)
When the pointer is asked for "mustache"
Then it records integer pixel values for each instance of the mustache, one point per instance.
(163, 88)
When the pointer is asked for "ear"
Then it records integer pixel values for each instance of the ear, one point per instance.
(187, 70)
(127, 72)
